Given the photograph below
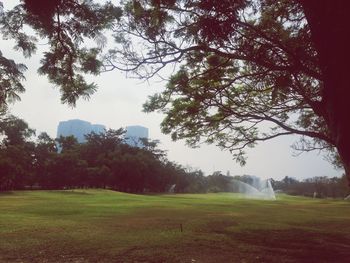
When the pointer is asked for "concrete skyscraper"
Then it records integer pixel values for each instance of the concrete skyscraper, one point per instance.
(78, 128)
(134, 133)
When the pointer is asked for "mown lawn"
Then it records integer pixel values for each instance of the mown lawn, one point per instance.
(107, 226)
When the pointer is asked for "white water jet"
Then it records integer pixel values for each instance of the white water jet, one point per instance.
(172, 189)
(260, 189)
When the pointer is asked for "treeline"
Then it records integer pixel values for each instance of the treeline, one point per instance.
(106, 161)
(318, 186)
(103, 161)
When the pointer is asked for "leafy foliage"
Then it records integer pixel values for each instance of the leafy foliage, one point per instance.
(318, 186)
(245, 71)
(103, 161)
(66, 25)
(11, 75)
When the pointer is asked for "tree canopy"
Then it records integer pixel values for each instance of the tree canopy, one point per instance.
(244, 71)
(103, 161)
(106, 161)
(66, 26)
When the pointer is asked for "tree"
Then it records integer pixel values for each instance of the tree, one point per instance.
(15, 131)
(67, 143)
(97, 152)
(109, 140)
(242, 66)
(152, 147)
(45, 153)
(66, 25)
(318, 186)
(239, 64)
(67, 170)
(104, 160)
(16, 154)
(217, 182)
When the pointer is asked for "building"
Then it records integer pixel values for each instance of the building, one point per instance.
(134, 134)
(78, 128)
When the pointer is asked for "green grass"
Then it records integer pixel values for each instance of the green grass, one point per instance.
(107, 226)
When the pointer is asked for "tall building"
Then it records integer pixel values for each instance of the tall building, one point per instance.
(98, 128)
(78, 128)
(134, 133)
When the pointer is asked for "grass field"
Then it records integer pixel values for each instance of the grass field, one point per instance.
(107, 226)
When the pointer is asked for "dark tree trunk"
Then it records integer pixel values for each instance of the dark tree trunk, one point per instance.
(330, 30)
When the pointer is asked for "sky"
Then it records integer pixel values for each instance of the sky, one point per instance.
(118, 103)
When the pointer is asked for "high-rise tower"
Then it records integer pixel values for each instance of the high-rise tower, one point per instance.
(134, 133)
(78, 128)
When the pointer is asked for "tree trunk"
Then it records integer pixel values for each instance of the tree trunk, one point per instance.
(330, 31)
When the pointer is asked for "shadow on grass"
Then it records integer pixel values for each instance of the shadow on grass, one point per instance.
(6, 193)
(297, 245)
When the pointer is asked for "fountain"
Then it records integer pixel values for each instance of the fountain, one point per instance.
(260, 189)
(172, 189)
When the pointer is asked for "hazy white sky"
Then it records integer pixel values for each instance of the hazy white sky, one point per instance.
(118, 103)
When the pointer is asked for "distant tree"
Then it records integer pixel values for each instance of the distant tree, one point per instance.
(45, 153)
(46, 143)
(98, 176)
(110, 140)
(217, 182)
(104, 160)
(122, 167)
(318, 186)
(178, 174)
(198, 183)
(15, 131)
(8, 172)
(66, 143)
(152, 146)
(16, 154)
(98, 151)
(242, 66)
(67, 170)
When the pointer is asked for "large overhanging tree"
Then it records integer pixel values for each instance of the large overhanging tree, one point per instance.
(240, 64)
